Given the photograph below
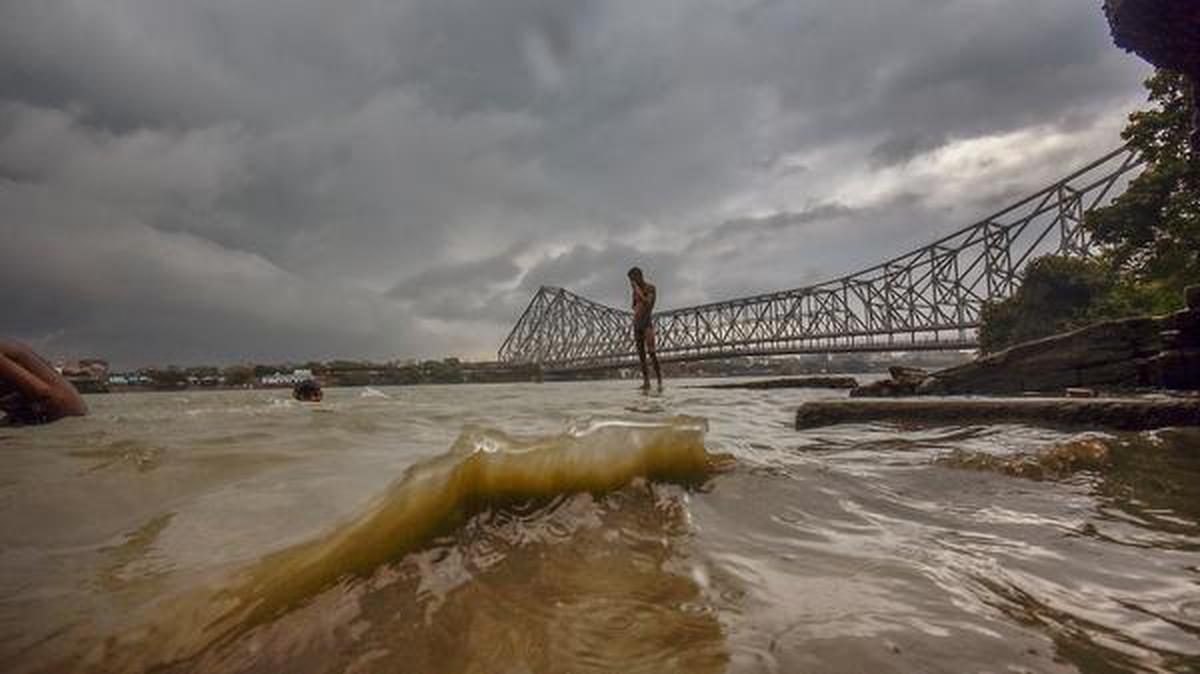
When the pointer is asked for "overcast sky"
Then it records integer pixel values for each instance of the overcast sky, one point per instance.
(230, 180)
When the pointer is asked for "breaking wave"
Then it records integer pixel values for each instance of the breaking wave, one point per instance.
(483, 469)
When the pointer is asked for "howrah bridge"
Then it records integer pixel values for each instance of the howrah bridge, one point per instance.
(930, 298)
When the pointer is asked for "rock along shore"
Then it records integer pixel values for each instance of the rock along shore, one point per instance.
(1127, 414)
(1148, 352)
(789, 382)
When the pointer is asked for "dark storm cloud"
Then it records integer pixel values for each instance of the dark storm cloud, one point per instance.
(900, 149)
(741, 231)
(239, 179)
(466, 291)
(152, 296)
(600, 272)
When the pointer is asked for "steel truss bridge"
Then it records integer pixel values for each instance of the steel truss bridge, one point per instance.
(927, 299)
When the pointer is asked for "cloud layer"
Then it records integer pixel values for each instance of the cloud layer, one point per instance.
(228, 180)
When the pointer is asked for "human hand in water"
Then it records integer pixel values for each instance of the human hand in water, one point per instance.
(31, 389)
(18, 407)
(11, 402)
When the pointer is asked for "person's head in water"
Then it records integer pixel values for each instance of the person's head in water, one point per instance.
(635, 275)
(307, 391)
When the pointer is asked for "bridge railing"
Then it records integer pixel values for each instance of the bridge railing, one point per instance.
(930, 297)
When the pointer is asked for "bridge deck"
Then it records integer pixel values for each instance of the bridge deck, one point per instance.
(717, 354)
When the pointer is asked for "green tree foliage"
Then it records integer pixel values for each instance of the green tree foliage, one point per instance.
(172, 377)
(1151, 233)
(1056, 294)
(1149, 237)
(239, 375)
(264, 370)
(447, 371)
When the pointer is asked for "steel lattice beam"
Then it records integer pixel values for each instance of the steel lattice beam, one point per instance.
(927, 299)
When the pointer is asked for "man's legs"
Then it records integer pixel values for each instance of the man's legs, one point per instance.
(653, 346)
(639, 338)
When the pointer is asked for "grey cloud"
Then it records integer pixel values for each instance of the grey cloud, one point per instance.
(494, 286)
(416, 169)
(752, 230)
(900, 149)
(599, 272)
(486, 296)
(474, 273)
(150, 296)
(468, 291)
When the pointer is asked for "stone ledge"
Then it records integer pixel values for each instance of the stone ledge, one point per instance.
(1129, 414)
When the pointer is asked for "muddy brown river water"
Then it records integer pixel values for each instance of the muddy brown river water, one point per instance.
(584, 527)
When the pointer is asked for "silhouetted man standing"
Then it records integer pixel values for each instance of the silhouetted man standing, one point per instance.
(644, 295)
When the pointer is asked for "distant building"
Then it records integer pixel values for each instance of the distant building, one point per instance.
(282, 379)
(128, 379)
(89, 375)
(209, 380)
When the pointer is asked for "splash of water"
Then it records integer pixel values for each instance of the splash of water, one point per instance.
(484, 468)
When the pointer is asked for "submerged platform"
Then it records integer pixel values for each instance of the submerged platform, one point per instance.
(1130, 414)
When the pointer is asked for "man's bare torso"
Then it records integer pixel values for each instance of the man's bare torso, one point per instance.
(643, 304)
